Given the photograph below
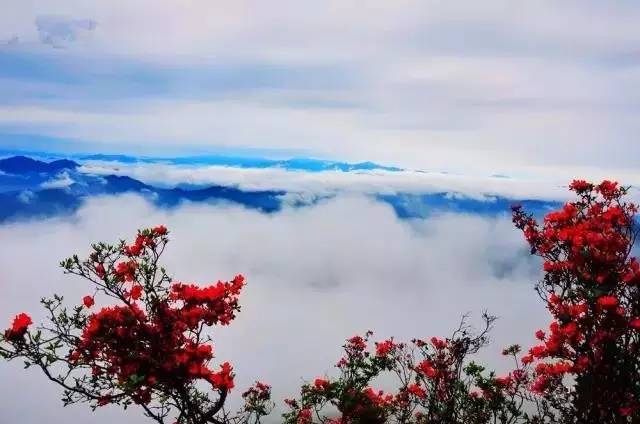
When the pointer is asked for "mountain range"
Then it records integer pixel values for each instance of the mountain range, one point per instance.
(36, 189)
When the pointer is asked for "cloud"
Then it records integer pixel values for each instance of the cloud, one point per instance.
(418, 84)
(315, 276)
(26, 196)
(12, 41)
(330, 182)
(58, 31)
(62, 180)
(325, 183)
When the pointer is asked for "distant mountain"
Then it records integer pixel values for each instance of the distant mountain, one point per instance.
(110, 158)
(25, 192)
(293, 164)
(24, 165)
(409, 205)
(34, 189)
(23, 173)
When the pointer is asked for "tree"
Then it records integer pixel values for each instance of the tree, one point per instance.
(149, 349)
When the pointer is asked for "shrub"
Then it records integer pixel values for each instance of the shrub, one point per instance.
(149, 348)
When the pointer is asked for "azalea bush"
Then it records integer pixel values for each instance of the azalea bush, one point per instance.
(435, 383)
(149, 348)
(150, 345)
(586, 368)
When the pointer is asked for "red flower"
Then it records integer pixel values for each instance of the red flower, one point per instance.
(19, 327)
(503, 381)
(438, 343)
(136, 292)
(580, 186)
(383, 348)
(426, 368)
(21, 322)
(160, 230)
(223, 379)
(100, 271)
(627, 410)
(125, 271)
(103, 400)
(304, 416)
(88, 301)
(321, 384)
(417, 391)
(608, 302)
(357, 343)
(538, 351)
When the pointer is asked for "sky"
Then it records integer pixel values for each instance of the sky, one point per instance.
(468, 99)
(494, 86)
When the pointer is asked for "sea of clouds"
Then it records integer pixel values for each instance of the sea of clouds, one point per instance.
(328, 182)
(316, 276)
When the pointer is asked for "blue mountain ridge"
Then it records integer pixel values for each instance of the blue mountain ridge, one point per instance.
(26, 165)
(293, 164)
(23, 196)
(26, 192)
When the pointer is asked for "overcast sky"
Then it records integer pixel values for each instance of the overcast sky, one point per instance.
(491, 86)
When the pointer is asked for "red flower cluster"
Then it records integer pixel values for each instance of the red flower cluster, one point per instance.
(592, 284)
(158, 348)
(257, 399)
(88, 301)
(144, 241)
(321, 384)
(19, 327)
(149, 348)
(215, 304)
(385, 347)
(431, 388)
(125, 271)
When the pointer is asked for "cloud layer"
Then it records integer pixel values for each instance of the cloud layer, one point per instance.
(330, 182)
(316, 276)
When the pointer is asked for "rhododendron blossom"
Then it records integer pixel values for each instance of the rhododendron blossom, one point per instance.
(151, 348)
(434, 384)
(591, 284)
(88, 301)
(19, 327)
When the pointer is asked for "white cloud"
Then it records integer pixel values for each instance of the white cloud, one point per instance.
(493, 86)
(315, 276)
(62, 180)
(58, 31)
(305, 184)
(26, 196)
